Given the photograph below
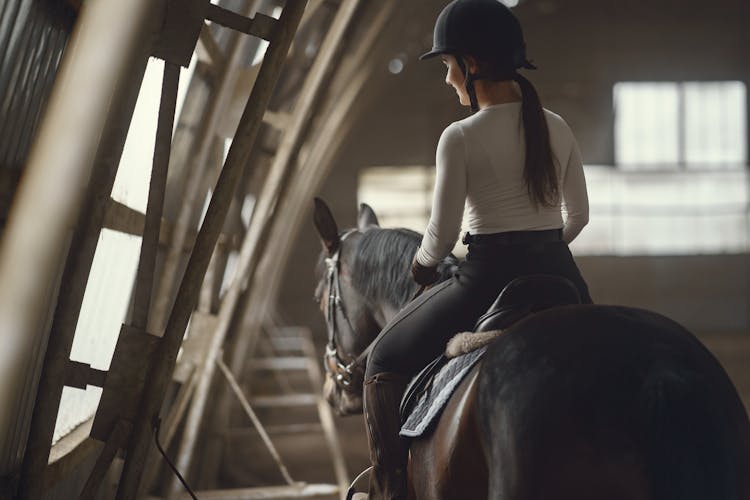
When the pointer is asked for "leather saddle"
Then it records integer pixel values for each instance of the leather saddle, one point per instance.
(523, 296)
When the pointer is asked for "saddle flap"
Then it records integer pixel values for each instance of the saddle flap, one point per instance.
(525, 295)
(418, 385)
(431, 391)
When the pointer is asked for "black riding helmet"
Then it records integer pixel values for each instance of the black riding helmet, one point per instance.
(485, 29)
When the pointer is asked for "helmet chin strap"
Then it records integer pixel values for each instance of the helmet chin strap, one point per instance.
(469, 80)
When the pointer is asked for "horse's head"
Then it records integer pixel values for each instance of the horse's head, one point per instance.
(364, 278)
(351, 319)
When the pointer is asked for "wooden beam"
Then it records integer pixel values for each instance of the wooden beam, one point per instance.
(208, 42)
(280, 363)
(300, 490)
(81, 375)
(144, 281)
(243, 432)
(121, 218)
(261, 26)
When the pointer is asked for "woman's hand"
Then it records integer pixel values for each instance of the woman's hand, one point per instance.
(423, 275)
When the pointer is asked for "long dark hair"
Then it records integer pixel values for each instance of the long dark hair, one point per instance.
(539, 171)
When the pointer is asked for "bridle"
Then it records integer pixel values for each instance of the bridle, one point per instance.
(342, 372)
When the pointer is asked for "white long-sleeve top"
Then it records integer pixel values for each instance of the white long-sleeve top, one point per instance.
(479, 168)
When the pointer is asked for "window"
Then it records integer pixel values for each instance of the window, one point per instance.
(695, 125)
(632, 213)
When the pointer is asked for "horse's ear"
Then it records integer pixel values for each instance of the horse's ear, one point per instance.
(366, 217)
(326, 226)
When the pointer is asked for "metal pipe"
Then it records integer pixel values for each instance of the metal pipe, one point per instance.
(83, 116)
(187, 295)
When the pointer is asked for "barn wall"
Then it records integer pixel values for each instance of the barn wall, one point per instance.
(33, 35)
(582, 48)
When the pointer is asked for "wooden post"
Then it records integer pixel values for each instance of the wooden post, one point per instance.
(150, 243)
(187, 295)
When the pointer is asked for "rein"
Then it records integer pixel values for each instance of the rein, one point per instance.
(343, 373)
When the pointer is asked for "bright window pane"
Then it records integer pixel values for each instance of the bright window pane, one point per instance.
(646, 124)
(715, 123)
(631, 213)
(665, 213)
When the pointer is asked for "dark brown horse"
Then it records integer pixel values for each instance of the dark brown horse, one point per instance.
(575, 402)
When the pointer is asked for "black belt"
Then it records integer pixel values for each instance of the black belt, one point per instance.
(511, 237)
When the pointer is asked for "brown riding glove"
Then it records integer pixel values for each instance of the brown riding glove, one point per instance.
(423, 275)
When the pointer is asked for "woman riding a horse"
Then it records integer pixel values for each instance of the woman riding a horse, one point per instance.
(511, 165)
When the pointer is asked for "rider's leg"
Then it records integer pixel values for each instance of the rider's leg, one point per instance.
(388, 452)
(414, 337)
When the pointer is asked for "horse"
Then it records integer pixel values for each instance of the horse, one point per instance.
(573, 402)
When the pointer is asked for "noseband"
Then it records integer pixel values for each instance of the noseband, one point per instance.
(342, 372)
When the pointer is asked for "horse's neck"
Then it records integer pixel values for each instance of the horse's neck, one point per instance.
(383, 313)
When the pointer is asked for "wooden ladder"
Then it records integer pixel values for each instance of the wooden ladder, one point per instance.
(288, 351)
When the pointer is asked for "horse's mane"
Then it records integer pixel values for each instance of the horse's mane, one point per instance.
(381, 270)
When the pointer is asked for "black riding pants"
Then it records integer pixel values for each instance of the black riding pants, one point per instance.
(421, 330)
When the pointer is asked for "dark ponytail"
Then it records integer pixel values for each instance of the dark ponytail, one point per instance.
(539, 171)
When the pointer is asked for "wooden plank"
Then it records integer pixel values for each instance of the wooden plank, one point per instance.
(208, 42)
(81, 375)
(300, 490)
(121, 218)
(285, 344)
(144, 282)
(179, 30)
(261, 26)
(280, 363)
(284, 400)
(277, 119)
(240, 432)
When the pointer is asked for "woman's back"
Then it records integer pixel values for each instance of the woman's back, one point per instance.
(480, 162)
